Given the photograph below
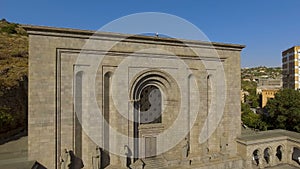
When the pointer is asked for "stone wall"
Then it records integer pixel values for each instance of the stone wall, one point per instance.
(274, 147)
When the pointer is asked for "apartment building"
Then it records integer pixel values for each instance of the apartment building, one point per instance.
(290, 68)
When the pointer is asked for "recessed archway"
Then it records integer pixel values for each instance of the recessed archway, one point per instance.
(78, 107)
(150, 92)
(105, 155)
(267, 156)
(296, 154)
(255, 157)
(279, 152)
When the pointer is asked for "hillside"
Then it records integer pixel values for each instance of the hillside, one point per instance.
(13, 78)
(261, 72)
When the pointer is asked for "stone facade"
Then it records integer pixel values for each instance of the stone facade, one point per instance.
(96, 94)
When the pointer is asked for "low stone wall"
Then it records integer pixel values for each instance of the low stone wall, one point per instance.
(268, 148)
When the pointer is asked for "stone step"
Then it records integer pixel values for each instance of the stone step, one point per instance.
(12, 155)
(114, 167)
(155, 163)
(12, 160)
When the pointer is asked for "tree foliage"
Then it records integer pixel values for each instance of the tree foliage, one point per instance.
(249, 86)
(7, 121)
(252, 119)
(252, 99)
(284, 110)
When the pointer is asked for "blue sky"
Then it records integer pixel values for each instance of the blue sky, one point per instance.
(266, 27)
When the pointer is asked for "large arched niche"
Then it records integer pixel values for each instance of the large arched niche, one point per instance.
(169, 96)
(167, 86)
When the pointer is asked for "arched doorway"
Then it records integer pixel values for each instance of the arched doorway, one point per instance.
(147, 111)
(151, 93)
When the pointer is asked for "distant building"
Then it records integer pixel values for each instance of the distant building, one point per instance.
(243, 95)
(247, 79)
(290, 68)
(268, 88)
(268, 93)
(270, 82)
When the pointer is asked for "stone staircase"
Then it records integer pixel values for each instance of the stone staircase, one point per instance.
(155, 163)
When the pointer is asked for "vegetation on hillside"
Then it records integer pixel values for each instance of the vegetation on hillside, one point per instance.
(261, 72)
(13, 76)
(13, 54)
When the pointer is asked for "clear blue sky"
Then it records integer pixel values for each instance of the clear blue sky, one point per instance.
(266, 27)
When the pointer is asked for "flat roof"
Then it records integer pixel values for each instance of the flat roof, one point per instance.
(86, 34)
(270, 87)
(285, 52)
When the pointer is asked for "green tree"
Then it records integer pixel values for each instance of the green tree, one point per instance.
(249, 86)
(6, 120)
(283, 112)
(252, 99)
(252, 119)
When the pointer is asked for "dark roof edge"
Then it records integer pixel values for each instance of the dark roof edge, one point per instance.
(54, 31)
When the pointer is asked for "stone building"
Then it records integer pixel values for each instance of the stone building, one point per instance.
(120, 101)
(267, 93)
(244, 94)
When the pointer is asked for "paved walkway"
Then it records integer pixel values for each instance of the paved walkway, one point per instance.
(14, 152)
